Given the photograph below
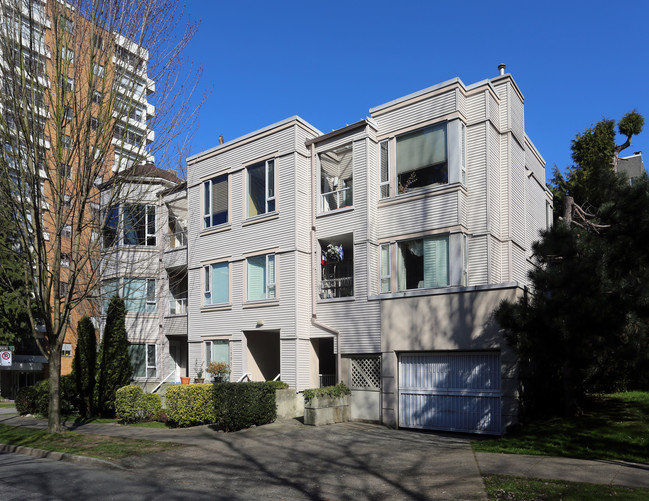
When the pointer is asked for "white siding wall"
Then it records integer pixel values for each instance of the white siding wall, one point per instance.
(421, 111)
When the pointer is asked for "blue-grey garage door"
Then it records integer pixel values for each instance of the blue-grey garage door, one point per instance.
(450, 391)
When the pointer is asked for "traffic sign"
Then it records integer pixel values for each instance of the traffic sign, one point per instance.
(5, 359)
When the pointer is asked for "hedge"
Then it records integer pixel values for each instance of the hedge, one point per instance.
(68, 396)
(327, 391)
(26, 400)
(231, 406)
(132, 405)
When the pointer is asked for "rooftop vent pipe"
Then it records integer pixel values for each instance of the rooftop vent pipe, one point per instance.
(501, 68)
(221, 139)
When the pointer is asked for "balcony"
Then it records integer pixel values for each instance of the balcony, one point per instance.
(337, 287)
(178, 306)
(337, 199)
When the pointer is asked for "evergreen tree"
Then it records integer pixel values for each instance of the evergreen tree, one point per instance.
(84, 365)
(585, 325)
(114, 364)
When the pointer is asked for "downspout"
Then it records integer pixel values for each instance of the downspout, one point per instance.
(314, 278)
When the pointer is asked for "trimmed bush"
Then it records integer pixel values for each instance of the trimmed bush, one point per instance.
(190, 405)
(278, 385)
(26, 400)
(68, 396)
(132, 405)
(242, 405)
(327, 391)
(151, 406)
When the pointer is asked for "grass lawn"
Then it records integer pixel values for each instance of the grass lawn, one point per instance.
(520, 489)
(614, 426)
(6, 404)
(83, 444)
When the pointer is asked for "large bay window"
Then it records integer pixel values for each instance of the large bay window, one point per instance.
(139, 225)
(215, 201)
(423, 263)
(336, 178)
(261, 188)
(216, 283)
(421, 158)
(143, 359)
(140, 295)
(261, 279)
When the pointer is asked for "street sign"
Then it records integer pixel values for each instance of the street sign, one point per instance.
(6, 348)
(5, 359)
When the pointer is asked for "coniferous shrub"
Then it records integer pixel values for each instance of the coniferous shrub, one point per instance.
(84, 366)
(25, 400)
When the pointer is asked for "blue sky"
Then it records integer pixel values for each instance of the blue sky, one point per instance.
(330, 62)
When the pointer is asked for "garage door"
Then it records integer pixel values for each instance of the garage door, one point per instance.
(450, 391)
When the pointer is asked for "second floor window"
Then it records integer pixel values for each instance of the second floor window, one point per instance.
(421, 158)
(216, 283)
(423, 263)
(139, 225)
(139, 295)
(261, 188)
(261, 277)
(215, 201)
(336, 178)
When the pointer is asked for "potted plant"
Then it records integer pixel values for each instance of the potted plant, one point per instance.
(220, 371)
(199, 375)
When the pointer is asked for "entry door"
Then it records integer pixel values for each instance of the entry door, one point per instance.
(450, 391)
(175, 354)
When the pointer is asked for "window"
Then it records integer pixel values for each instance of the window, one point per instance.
(63, 289)
(97, 42)
(215, 201)
(98, 70)
(384, 181)
(217, 351)
(67, 113)
(463, 159)
(66, 231)
(65, 260)
(66, 141)
(139, 225)
(67, 201)
(110, 227)
(216, 283)
(337, 267)
(66, 23)
(109, 289)
(94, 123)
(261, 277)
(386, 273)
(261, 188)
(67, 83)
(421, 158)
(67, 54)
(66, 171)
(423, 263)
(143, 359)
(336, 178)
(139, 295)
(97, 97)
(66, 350)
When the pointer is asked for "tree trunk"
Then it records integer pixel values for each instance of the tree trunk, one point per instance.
(54, 413)
(568, 202)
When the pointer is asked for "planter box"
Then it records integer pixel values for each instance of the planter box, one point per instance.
(327, 410)
(290, 404)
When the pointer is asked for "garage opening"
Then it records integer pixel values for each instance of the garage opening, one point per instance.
(450, 392)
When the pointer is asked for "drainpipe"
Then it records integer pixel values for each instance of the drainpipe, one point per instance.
(314, 277)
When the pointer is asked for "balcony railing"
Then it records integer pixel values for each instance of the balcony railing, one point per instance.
(176, 240)
(178, 306)
(337, 199)
(336, 287)
(327, 380)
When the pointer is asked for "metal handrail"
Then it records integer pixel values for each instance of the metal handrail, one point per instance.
(163, 381)
(335, 196)
(246, 375)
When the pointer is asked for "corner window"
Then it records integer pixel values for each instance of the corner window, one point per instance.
(215, 201)
(386, 273)
(261, 277)
(217, 351)
(261, 188)
(336, 178)
(140, 295)
(139, 225)
(143, 359)
(463, 159)
(216, 283)
(110, 227)
(337, 267)
(423, 263)
(422, 159)
(384, 169)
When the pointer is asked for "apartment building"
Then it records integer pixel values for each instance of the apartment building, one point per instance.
(68, 78)
(374, 254)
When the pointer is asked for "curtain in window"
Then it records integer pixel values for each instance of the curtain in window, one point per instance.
(219, 200)
(220, 283)
(436, 262)
(421, 148)
(256, 278)
(256, 190)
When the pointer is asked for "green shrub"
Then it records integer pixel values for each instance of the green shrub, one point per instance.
(328, 391)
(26, 400)
(278, 385)
(241, 405)
(132, 405)
(151, 406)
(190, 405)
(67, 396)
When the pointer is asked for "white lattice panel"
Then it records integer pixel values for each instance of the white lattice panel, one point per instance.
(366, 373)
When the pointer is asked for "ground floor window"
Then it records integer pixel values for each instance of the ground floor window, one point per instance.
(143, 359)
(217, 351)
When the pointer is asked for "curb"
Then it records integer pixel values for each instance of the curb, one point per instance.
(61, 456)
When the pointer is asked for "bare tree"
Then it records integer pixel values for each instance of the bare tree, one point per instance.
(75, 116)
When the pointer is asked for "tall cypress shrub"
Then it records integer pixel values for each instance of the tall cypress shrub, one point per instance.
(114, 365)
(84, 366)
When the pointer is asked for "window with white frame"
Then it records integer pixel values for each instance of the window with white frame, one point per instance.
(67, 54)
(384, 169)
(98, 70)
(66, 350)
(423, 263)
(139, 225)
(261, 278)
(261, 188)
(421, 158)
(67, 113)
(67, 83)
(386, 273)
(216, 283)
(336, 178)
(65, 260)
(463, 159)
(109, 289)
(97, 97)
(144, 359)
(66, 141)
(140, 295)
(66, 231)
(217, 351)
(215, 201)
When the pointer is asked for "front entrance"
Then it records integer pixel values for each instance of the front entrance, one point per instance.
(176, 357)
(263, 357)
